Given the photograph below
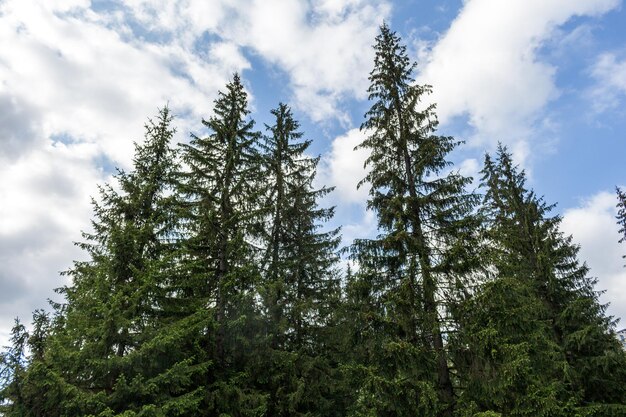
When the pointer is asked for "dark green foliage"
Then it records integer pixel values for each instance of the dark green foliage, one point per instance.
(299, 274)
(510, 364)
(31, 385)
(300, 287)
(554, 322)
(12, 372)
(388, 376)
(114, 306)
(417, 263)
(222, 216)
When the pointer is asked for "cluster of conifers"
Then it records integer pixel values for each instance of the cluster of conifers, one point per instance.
(212, 288)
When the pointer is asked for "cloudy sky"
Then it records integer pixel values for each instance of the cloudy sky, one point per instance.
(78, 79)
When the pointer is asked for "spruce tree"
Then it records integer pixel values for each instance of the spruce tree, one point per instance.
(222, 211)
(507, 363)
(12, 370)
(44, 389)
(621, 214)
(111, 308)
(529, 248)
(31, 385)
(420, 257)
(300, 287)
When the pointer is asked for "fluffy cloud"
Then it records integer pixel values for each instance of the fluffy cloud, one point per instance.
(327, 55)
(610, 73)
(344, 168)
(323, 47)
(88, 83)
(45, 202)
(593, 227)
(486, 66)
(365, 228)
(17, 132)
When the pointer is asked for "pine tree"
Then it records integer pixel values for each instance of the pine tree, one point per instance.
(621, 214)
(528, 247)
(31, 386)
(508, 363)
(12, 370)
(300, 286)
(420, 257)
(111, 307)
(222, 221)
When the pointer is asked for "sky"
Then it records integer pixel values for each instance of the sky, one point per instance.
(79, 78)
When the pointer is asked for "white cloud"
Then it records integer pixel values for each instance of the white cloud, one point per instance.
(610, 73)
(88, 83)
(324, 47)
(593, 226)
(343, 168)
(187, 18)
(486, 66)
(45, 204)
(365, 228)
(470, 168)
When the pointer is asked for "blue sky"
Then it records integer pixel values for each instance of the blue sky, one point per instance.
(78, 78)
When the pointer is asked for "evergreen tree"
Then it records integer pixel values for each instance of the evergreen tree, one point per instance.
(31, 387)
(418, 261)
(300, 286)
(509, 365)
(222, 220)
(12, 370)
(43, 389)
(621, 214)
(528, 248)
(111, 307)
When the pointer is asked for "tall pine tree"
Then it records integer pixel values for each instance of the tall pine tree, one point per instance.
(300, 287)
(223, 216)
(12, 373)
(111, 307)
(421, 255)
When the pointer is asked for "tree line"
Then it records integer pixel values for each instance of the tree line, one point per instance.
(214, 288)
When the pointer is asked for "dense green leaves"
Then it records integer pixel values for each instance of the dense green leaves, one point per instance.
(222, 212)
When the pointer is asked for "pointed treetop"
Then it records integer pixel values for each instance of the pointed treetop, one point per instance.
(621, 214)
